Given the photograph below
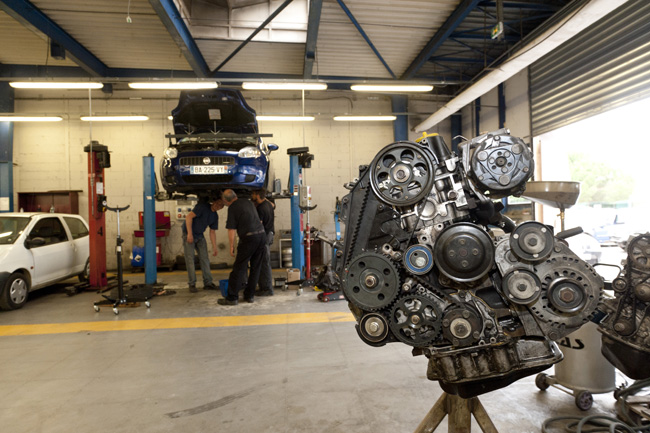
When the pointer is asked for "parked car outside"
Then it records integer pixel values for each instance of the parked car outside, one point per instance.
(626, 222)
(37, 250)
(216, 145)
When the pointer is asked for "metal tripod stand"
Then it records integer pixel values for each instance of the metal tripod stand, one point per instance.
(122, 299)
(460, 411)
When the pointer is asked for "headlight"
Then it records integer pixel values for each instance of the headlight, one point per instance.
(171, 152)
(249, 152)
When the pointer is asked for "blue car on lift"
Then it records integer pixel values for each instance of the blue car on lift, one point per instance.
(216, 145)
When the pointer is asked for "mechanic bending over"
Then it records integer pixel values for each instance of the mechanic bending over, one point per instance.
(203, 215)
(244, 221)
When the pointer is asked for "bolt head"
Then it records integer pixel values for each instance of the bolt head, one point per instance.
(566, 295)
(370, 281)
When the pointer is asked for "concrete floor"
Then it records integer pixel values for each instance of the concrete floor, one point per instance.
(181, 366)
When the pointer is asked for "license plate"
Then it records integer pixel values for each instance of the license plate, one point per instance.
(208, 169)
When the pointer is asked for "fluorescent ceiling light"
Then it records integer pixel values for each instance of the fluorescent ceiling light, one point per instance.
(174, 85)
(391, 88)
(283, 86)
(53, 85)
(30, 118)
(114, 118)
(286, 118)
(365, 118)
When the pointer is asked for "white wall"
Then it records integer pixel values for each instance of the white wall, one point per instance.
(50, 156)
(517, 110)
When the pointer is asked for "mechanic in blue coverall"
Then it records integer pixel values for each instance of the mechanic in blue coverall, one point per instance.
(203, 215)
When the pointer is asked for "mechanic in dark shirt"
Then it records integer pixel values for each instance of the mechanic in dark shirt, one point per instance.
(244, 221)
(265, 209)
(203, 215)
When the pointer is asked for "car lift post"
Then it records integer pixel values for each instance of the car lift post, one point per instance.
(98, 160)
(295, 180)
(149, 219)
(299, 158)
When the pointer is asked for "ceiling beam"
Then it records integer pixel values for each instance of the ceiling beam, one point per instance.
(365, 36)
(539, 6)
(509, 38)
(32, 18)
(313, 23)
(252, 35)
(172, 20)
(454, 20)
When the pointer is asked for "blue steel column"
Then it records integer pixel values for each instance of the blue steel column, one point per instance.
(477, 115)
(399, 105)
(501, 94)
(456, 130)
(297, 247)
(149, 218)
(7, 146)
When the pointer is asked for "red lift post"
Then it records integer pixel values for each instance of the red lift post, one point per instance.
(98, 160)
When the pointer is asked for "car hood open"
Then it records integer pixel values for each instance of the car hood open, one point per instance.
(213, 110)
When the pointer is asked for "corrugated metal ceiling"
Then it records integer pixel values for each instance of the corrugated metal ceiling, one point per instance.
(98, 37)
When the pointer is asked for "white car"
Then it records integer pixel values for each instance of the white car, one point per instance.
(39, 249)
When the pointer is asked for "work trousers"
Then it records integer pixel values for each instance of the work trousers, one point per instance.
(201, 247)
(266, 275)
(250, 249)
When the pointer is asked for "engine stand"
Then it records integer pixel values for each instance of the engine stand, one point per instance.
(460, 411)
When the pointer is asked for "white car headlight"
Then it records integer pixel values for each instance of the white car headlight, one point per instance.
(171, 152)
(249, 152)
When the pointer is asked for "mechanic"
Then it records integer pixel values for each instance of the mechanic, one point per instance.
(244, 221)
(265, 210)
(197, 220)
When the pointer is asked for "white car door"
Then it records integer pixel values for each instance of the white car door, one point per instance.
(53, 259)
(80, 242)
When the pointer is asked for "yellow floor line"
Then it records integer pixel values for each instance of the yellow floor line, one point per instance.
(174, 323)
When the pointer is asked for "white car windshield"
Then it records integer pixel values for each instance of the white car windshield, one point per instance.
(11, 227)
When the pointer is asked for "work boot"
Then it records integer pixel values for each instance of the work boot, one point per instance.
(193, 288)
(210, 286)
(226, 301)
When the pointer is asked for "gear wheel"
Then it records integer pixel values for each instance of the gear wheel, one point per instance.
(402, 174)
(638, 251)
(570, 291)
(371, 281)
(415, 319)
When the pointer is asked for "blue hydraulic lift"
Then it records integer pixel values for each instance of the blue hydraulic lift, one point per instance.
(299, 159)
(149, 219)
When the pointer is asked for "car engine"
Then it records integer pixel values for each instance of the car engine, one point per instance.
(429, 261)
(626, 326)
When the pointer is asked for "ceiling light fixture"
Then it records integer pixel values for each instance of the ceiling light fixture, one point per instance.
(396, 88)
(114, 118)
(364, 118)
(283, 86)
(286, 118)
(30, 118)
(172, 85)
(54, 85)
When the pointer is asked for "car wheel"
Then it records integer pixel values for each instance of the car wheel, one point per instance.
(14, 293)
(85, 275)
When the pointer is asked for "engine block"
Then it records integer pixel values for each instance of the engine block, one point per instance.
(429, 261)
